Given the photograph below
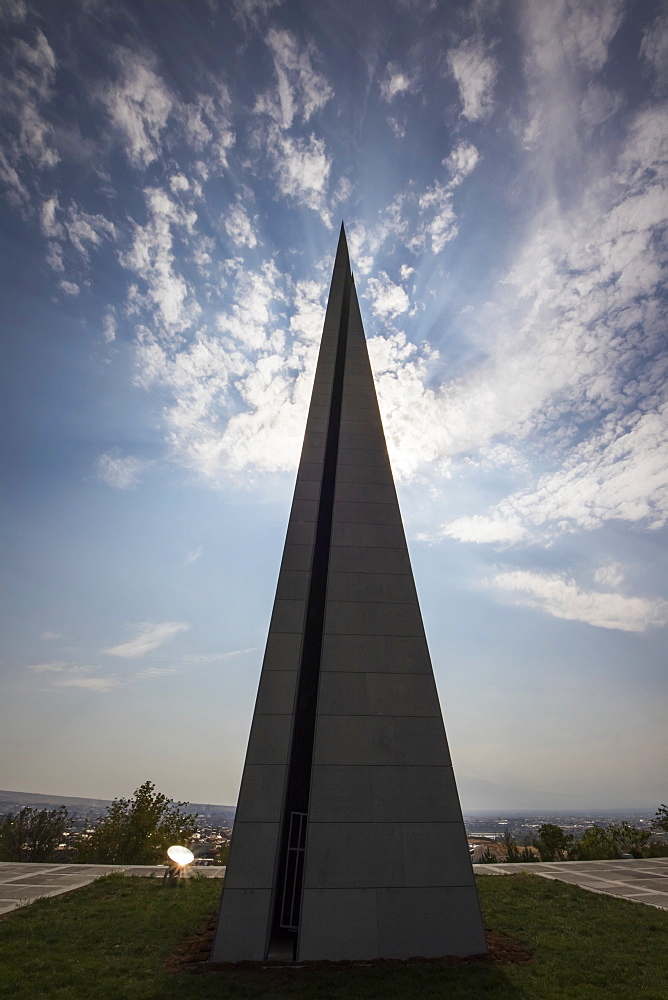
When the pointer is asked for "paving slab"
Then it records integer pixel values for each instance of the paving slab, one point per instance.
(21, 884)
(643, 880)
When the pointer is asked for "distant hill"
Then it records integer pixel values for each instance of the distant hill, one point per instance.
(10, 800)
(477, 795)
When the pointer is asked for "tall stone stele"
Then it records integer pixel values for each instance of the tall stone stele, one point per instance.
(348, 841)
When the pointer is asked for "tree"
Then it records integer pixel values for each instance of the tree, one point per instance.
(627, 839)
(32, 834)
(139, 830)
(513, 852)
(552, 843)
(660, 822)
(596, 844)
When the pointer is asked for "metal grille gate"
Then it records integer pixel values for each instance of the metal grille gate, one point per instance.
(294, 872)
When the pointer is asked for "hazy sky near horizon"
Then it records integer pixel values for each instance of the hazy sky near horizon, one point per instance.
(173, 178)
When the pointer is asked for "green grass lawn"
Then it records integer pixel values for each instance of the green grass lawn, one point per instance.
(110, 941)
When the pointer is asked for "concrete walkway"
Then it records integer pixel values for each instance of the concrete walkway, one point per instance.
(644, 881)
(21, 884)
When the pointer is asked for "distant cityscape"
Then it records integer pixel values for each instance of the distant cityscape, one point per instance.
(215, 822)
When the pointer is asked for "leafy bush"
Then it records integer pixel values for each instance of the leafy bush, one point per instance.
(32, 834)
(137, 831)
(552, 843)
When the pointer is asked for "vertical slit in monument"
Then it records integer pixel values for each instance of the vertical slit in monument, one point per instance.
(289, 876)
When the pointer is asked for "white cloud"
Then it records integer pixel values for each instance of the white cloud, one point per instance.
(609, 575)
(51, 635)
(599, 104)
(25, 92)
(44, 668)
(109, 326)
(148, 638)
(398, 127)
(13, 10)
(239, 400)
(17, 193)
(193, 556)
(54, 257)
(69, 287)
(248, 319)
(621, 473)
(48, 218)
(207, 126)
(34, 73)
(565, 45)
(475, 71)
(138, 104)
(251, 11)
(562, 598)
(179, 182)
(438, 221)
(461, 161)
(654, 49)
(193, 659)
(585, 31)
(101, 684)
(387, 299)
(150, 672)
(85, 230)
(302, 169)
(121, 473)
(301, 89)
(396, 81)
(238, 226)
(151, 257)
(577, 360)
(308, 314)
(366, 241)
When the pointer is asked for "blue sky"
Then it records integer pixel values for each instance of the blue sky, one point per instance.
(173, 179)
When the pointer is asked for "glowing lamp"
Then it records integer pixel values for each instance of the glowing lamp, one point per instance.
(181, 856)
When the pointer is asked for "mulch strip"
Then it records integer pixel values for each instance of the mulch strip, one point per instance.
(192, 955)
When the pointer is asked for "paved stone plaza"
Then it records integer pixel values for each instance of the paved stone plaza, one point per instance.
(639, 881)
(21, 884)
(643, 881)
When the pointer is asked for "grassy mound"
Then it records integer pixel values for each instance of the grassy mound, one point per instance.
(122, 937)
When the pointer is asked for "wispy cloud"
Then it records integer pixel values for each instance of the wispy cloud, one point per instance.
(194, 555)
(619, 473)
(238, 225)
(120, 472)
(654, 49)
(148, 638)
(138, 103)
(151, 259)
(563, 598)
(250, 12)
(100, 684)
(301, 89)
(609, 575)
(55, 667)
(193, 659)
(387, 299)
(13, 10)
(475, 70)
(51, 635)
(396, 81)
(151, 672)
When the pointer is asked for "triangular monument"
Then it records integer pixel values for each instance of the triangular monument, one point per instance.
(348, 841)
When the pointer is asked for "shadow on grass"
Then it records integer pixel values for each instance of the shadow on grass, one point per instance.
(410, 982)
